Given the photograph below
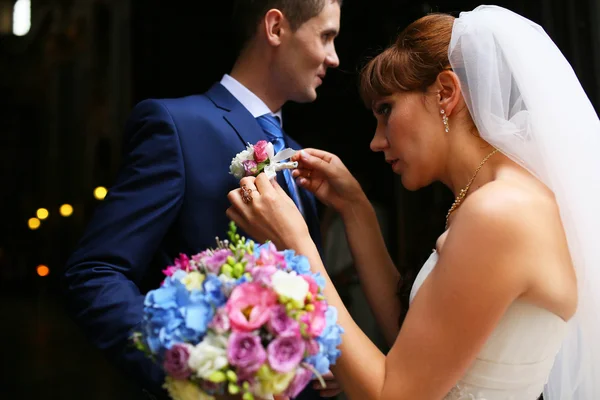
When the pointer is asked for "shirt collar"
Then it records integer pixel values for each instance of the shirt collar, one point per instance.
(249, 100)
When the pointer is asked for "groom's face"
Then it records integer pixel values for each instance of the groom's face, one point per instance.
(306, 54)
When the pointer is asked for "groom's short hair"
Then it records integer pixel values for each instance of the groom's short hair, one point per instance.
(248, 13)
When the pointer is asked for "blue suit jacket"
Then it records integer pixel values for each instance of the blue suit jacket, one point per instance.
(170, 197)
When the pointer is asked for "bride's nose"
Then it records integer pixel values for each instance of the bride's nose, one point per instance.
(379, 141)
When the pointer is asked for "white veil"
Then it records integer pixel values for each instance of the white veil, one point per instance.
(526, 100)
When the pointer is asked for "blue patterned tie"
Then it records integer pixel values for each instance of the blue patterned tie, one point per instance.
(272, 127)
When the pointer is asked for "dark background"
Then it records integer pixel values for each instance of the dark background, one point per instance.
(66, 88)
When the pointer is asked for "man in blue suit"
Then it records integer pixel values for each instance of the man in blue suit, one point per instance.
(170, 195)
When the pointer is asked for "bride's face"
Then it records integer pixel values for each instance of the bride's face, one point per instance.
(410, 134)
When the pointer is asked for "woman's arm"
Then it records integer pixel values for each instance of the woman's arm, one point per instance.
(327, 177)
(377, 273)
(477, 277)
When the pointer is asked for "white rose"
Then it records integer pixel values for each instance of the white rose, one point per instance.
(209, 355)
(236, 169)
(247, 154)
(290, 285)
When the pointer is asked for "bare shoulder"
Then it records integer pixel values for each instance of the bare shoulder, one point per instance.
(503, 205)
(517, 224)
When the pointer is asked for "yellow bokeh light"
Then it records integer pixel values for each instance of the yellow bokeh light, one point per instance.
(34, 223)
(66, 210)
(42, 213)
(100, 192)
(42, 270)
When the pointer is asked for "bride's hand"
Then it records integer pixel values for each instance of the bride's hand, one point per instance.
(325, 175)
(268, 212)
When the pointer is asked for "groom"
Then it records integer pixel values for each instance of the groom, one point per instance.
(170, 195)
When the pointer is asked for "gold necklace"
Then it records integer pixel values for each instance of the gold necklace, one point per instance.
(463, 192)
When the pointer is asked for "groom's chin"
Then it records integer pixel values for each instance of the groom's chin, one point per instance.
(307, 96)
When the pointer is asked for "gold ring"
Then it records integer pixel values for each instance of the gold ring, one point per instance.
(246, 194)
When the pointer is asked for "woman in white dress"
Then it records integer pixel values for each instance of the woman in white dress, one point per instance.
(507, 305)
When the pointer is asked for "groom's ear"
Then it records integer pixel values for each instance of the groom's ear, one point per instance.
(274, 25)
(449, 91)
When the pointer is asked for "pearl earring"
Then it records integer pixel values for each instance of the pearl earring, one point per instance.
(445, 121)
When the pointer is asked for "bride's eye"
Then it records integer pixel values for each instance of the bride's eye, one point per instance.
(383, 109)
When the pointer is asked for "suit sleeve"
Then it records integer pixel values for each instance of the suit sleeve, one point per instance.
(103, 274)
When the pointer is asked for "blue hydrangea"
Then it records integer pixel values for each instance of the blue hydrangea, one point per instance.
(329, 340)
(172, 314)
(319, 279)
(212, 286)
(296, 263)
(320, 362)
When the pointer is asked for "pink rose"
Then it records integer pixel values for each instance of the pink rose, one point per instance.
(220, 322)
(270, 256)
(263, 274)
(181, 263)
(169, 271)
(249, 306)
(260, 151)
(315, 320)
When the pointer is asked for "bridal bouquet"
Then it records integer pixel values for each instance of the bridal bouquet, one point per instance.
(259, 158)
(240, 319)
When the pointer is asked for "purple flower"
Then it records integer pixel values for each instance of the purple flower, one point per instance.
(301, 379)
(245, 351)
(250, 167)
(176, 361)
(215, 261)
(220, 322)
(280, 323)
(285, 352)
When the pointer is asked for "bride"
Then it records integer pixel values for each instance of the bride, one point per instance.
(507, 306)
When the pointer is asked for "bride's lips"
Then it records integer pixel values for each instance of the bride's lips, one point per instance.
(392, 161)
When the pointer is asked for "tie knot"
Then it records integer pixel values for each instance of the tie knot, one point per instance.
(271, 125)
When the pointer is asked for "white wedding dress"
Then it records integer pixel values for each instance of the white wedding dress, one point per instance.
(516, 360)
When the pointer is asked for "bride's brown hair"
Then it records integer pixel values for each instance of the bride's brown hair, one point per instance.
(412, 62)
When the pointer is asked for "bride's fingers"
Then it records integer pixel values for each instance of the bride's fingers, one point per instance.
(315, 164)
(278, 188)
(237, 217)
(325, 156)
(302, 173)
(263, 184)
(329, 393)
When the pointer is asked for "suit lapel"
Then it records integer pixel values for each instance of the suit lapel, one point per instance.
(249, 131)
(236, 115)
